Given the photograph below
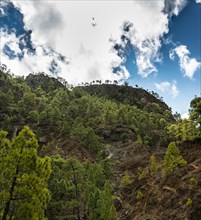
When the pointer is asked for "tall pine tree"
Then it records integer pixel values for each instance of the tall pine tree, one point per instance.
(23, 177)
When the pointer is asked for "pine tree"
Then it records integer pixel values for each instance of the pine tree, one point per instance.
(23, 179)
(126, 181)
(139, 140)
(66, 185)
(153, 165)
(172, 159)
(195, 111)
(105, 203)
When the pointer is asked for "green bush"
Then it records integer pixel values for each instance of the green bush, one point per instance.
(189, 202)
(139, 195)
(142, 175)
(153, 165)
(139, 140)
(172, 159)
(193, 182)
(126, 181)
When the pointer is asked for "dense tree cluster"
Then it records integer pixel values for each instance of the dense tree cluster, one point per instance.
(188, 129)
(80, 190)
(61, 113)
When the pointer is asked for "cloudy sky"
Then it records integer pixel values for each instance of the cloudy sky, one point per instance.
(154, 44)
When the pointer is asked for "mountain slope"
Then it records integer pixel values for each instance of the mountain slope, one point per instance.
(103, 128)
(163, 196)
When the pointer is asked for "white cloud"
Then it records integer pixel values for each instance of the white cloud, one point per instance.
(10, 40)
(162, 86)
(198, 1)
(4, 3)
(2, 13)
(168, 87)
(66, 27)
(44, 19)
(185, 115)
(147, 55)
(173, 7)
(37, 63)
(187, 65)
(179, 5)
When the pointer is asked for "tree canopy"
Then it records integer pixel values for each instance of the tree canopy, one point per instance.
(24, 175)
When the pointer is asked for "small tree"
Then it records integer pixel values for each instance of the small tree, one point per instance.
(125, 83)
(193, 182)
(139, 140)
(126, 181)
(153, 165)
(139, 195)
(105, 203)
(189, 202)
(172, 159)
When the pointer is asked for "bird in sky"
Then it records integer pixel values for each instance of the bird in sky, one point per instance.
(93, 22)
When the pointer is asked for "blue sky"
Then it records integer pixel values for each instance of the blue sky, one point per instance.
(184, 29)
(154, 44)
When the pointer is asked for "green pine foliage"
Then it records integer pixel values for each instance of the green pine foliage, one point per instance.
(193, 182)
(183, 130)
(53, 110)
(139, 196)
(126, 181)
(172, 159)
(195, 112)
(80, 190)
(105, 203)
(58, 113)
(24, 175)
(153, 167)
(189, 202)
(188, 129)
(139, 140)
(86, 137)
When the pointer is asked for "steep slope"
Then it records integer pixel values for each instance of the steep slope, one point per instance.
(174, 196)
(107, 124)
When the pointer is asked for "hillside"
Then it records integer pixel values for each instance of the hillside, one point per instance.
(163, 196)
(111, 150)
(126, 94)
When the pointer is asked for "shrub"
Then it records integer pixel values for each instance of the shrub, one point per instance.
(139, 140)
(189, 202)
(193, 182)
(139, 195)
(141, 175)
(126, 181)
(153, 165)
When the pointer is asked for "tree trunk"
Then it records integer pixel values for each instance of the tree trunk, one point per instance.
(76, 191)
(7, 207)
